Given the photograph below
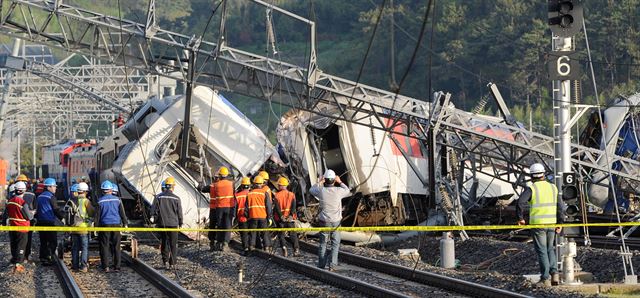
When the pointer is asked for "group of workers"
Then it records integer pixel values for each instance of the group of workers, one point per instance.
(24, 208)
(254, 205)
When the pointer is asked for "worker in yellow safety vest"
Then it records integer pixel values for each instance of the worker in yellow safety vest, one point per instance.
(544, 208)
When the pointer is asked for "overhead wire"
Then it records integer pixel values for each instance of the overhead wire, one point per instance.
(144, 158)
(606, 150)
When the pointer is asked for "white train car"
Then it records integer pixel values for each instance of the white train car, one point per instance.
(144, 151)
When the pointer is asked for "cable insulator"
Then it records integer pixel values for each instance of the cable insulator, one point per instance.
(576, 93)
(447, 204)
(480, 106)
(453, 160)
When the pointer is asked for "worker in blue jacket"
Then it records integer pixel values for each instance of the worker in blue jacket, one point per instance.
(48, 214)
(109, 213)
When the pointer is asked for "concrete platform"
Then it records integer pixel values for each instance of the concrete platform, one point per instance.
(609, 289)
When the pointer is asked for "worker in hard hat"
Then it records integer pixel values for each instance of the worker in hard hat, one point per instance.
(17, 213)
(241, 201)
(285, 214)
(30, 199)
(109, 213)
(258, 211)
(544, 208)
(330, 191)
(166, 212)
(265, 186)
(81, 213)
(48, 214)
(221, 209)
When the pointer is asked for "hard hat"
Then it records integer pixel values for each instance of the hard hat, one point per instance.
(12, 187)
(537, 170)
(163, 185)
(20, 186)
(83, 178)
(330, 174)
(223, 171)
(11, 181)
(170, 181)
(282, 181)
(115, 188)
(264, 175)
(34, 180)
(50, 182)
(106, 185)
(246, 181)
(22, 177)
(83, 187)
(258, 179)
(74, 188)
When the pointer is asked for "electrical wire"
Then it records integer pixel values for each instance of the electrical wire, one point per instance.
(606, 153)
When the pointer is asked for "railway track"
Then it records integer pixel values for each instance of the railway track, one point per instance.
(417, 276)
(597, 241)
(374, 278)
(137, 279)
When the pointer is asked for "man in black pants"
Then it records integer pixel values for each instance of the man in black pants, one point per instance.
(30, 199)
(166, 212)
(48, 214)
(17, 213)
(110, 213)
(258, 211)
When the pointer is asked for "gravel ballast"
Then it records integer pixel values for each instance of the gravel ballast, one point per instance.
(497, 263)
(215, 274)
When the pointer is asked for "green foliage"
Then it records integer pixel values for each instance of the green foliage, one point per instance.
(475, 42)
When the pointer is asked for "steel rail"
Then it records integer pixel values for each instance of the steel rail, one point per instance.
(68, 283)
(164, 284)
(422, 277)
(334, 279)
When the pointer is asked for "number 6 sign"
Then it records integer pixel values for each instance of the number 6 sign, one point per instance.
(563, 66)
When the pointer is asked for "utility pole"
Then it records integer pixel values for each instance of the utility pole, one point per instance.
(34, 174)
(7, 83)
(186, 125)
(19, 130)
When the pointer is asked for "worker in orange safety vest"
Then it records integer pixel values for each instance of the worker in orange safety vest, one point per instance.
(285, 214)
(241, 201)
(221, 209)
(258, 211)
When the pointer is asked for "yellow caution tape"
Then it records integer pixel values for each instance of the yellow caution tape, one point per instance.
(318, 229)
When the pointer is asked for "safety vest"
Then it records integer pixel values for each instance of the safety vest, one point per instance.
(267, 190)
(14, 210)
(256, 204)
(221, 194)
(83, 214)
(543, 203)
(284, 199)
(241, 198)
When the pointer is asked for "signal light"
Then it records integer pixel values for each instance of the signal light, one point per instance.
(565, 17)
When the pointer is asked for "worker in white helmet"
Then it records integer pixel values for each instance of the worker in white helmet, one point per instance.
(544, 208)
(330, 191)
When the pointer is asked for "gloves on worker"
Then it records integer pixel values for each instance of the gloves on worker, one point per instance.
(270, 222)
(152, 219)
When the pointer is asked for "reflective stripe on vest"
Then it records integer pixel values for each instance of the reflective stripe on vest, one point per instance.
(543, 203)
(284, 198)
(256, 204)
(14, 212)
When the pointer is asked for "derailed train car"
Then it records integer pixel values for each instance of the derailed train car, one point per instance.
(620, 137)
(146, 150)
(363, 157)
(386, 190)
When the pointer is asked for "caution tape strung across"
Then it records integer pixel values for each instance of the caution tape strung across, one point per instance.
(318, 229)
